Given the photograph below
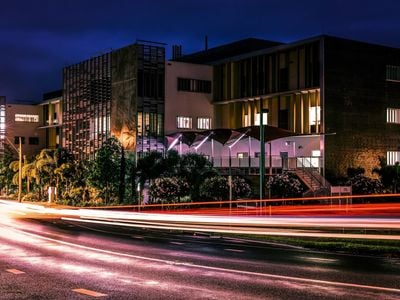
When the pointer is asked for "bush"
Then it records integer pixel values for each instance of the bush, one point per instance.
(168, 188)
(31, 197)
(217, 188)
(362, 185)
(285, 185)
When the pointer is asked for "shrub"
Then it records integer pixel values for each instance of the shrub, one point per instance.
(285, 185)
(168, 188)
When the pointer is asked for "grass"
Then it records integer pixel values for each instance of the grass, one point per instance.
(384, 248)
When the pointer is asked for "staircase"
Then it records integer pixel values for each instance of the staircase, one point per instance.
(316, 183)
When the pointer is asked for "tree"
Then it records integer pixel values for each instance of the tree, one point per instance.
(6, 174)
(215, 188)
(285, 185)
(388, 175)
(170, 189)
(362, 185)
(195, 168)
(105, 169)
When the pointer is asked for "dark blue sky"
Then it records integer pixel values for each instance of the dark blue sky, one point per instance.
(38, 38)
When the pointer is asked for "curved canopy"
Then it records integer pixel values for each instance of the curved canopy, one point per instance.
(225, 135)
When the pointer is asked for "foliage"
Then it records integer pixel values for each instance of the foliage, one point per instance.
(240, 188)
(285, 185)
(6, 174)
(217, 188)
(168, 188)
(31, 197)
(388, 175)
(362, 185)
(195, 168)
(105, 169)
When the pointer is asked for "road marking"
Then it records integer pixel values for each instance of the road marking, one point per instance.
(265, 275)
(319, 259)
(15, 271)
(234, 250)
(177, 243)
(89, 293)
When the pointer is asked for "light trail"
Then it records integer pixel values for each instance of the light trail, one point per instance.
(115, 257)
(260, 225)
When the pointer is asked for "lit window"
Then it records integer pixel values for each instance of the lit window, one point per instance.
(392, 157)
(257, 119)
(203, 123)
(393, 115)
(26, 118)
(183, 122)
(393, 73)
(246, 121)
(242, 154)
(314, 118)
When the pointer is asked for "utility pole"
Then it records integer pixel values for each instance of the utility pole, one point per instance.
(262, 150)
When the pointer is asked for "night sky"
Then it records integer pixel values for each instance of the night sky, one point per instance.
(38, 38)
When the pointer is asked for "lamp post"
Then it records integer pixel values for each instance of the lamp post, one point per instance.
(262, 150)
(20, 170)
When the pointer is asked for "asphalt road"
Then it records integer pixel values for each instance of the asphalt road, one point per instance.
(55, 259)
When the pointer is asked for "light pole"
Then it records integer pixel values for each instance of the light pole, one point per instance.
(20, 170)
(262, 150)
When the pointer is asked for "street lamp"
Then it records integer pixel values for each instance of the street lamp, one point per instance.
(262, 149)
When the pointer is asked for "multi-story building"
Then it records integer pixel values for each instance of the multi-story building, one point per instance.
(52, 118)
(340, 96)
(22, 120)
(119, 93)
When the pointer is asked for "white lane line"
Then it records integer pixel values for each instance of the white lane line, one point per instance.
(89, 293)
(177, 243)
(234, 250)
(15, 271)
(241, 272)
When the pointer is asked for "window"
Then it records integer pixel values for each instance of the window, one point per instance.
(16, 140)
(393, 115)
(194, 85)
(257, 119)
(242, 154)
(26, 118)
(183, 122)
(33, 140)
(314, 118)
(392, 157)
(203, 123)
(393, 73)
(246, 121)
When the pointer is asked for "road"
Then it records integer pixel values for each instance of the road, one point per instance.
(59, 259)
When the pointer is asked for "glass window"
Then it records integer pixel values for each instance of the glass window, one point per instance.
(16, 140)
(257, 119)
(33, 140)
(392, 157)
(203, 123)
(26, 118)
(393, 115)
(183, 122)
(393, 73)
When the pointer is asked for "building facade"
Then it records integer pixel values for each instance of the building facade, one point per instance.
(121, 94)
(340, 97)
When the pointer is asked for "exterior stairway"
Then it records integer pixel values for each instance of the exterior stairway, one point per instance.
(316, 183)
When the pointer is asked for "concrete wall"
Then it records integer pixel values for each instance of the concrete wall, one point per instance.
(25, 129)
(124, 98)
(182, 103)
(356, 98)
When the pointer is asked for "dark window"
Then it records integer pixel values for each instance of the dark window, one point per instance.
(16, 140)
(194, 85)
(33, 140)
(283, 119)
